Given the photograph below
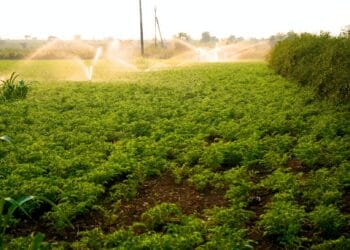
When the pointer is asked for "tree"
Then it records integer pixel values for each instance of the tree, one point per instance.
(345, 32)
(183, 36)
(52, 38)
(277, 38)
(232, 39)
(206, 37)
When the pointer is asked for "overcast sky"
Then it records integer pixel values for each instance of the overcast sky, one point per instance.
(119, 18)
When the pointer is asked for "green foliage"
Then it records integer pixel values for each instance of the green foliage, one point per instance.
(227, 126)
(309, 152)
(342, 173)
(157, 217)
(5, 138)
(226, 238)
(321, 62)
(205, 178)
(6, 213)
(239, 186)
(328, 219)
(227, 231)
(338, 244)
(185, 234)
(126, 190)
(12, 90)
(32, 242)
(283, 220)
(280, 181)
(322, 188)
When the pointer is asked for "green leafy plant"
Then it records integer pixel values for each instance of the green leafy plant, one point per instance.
(205, 178)
(239, 186)
(283, 182)
(8, 207)
(226, 229)
(12, 90)
(6, 214)
(6, 138)
(31, 242)
(283, 221)
(87, 147)
(319, 61)
(322, 188)
(338, 244)
(328, 219)
(158, 216)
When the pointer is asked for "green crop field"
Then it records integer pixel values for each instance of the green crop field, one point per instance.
(208, 156)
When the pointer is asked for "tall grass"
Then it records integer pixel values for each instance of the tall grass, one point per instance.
(12, 89)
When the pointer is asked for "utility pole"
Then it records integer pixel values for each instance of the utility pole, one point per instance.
(157, 29)
(155, 26)
(141, 31)
(160, 33)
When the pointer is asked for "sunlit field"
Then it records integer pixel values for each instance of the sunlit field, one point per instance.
(80, 61)
(48, 71)
(205, 155)
(174, 125)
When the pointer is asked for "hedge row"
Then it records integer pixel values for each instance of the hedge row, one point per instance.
(320, 61)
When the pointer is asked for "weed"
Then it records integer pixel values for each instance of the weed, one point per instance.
(12, 90)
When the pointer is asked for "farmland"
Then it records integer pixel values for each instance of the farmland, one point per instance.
(208, 156)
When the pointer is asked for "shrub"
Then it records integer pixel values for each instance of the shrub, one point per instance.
(328, 219)
(338, 244)
(322, 188)
(283, 220)
(280, 181)
(222, 156)
(206, 178)
(321, 62)
(12, 90)
(239, 186)
(157, 217)
(227, 231)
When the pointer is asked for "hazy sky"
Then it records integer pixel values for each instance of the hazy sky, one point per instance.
(119, 18)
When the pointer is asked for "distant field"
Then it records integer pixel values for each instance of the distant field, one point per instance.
(75, 70)
(208, 156)
(62, 70)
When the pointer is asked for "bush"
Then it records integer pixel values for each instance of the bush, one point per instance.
(328, 219)
(321, 62)
(283, 221)
(157, 217)
(12, 90)
(322, 188)
(227, 231)
(239, 186)
(338, 244)
(279, 181)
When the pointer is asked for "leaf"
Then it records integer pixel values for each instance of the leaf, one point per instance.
(6, 138)
(37, 241)
(55, 206)
(13, 77)
(24, 199)
(2, 204)
(18, 204)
